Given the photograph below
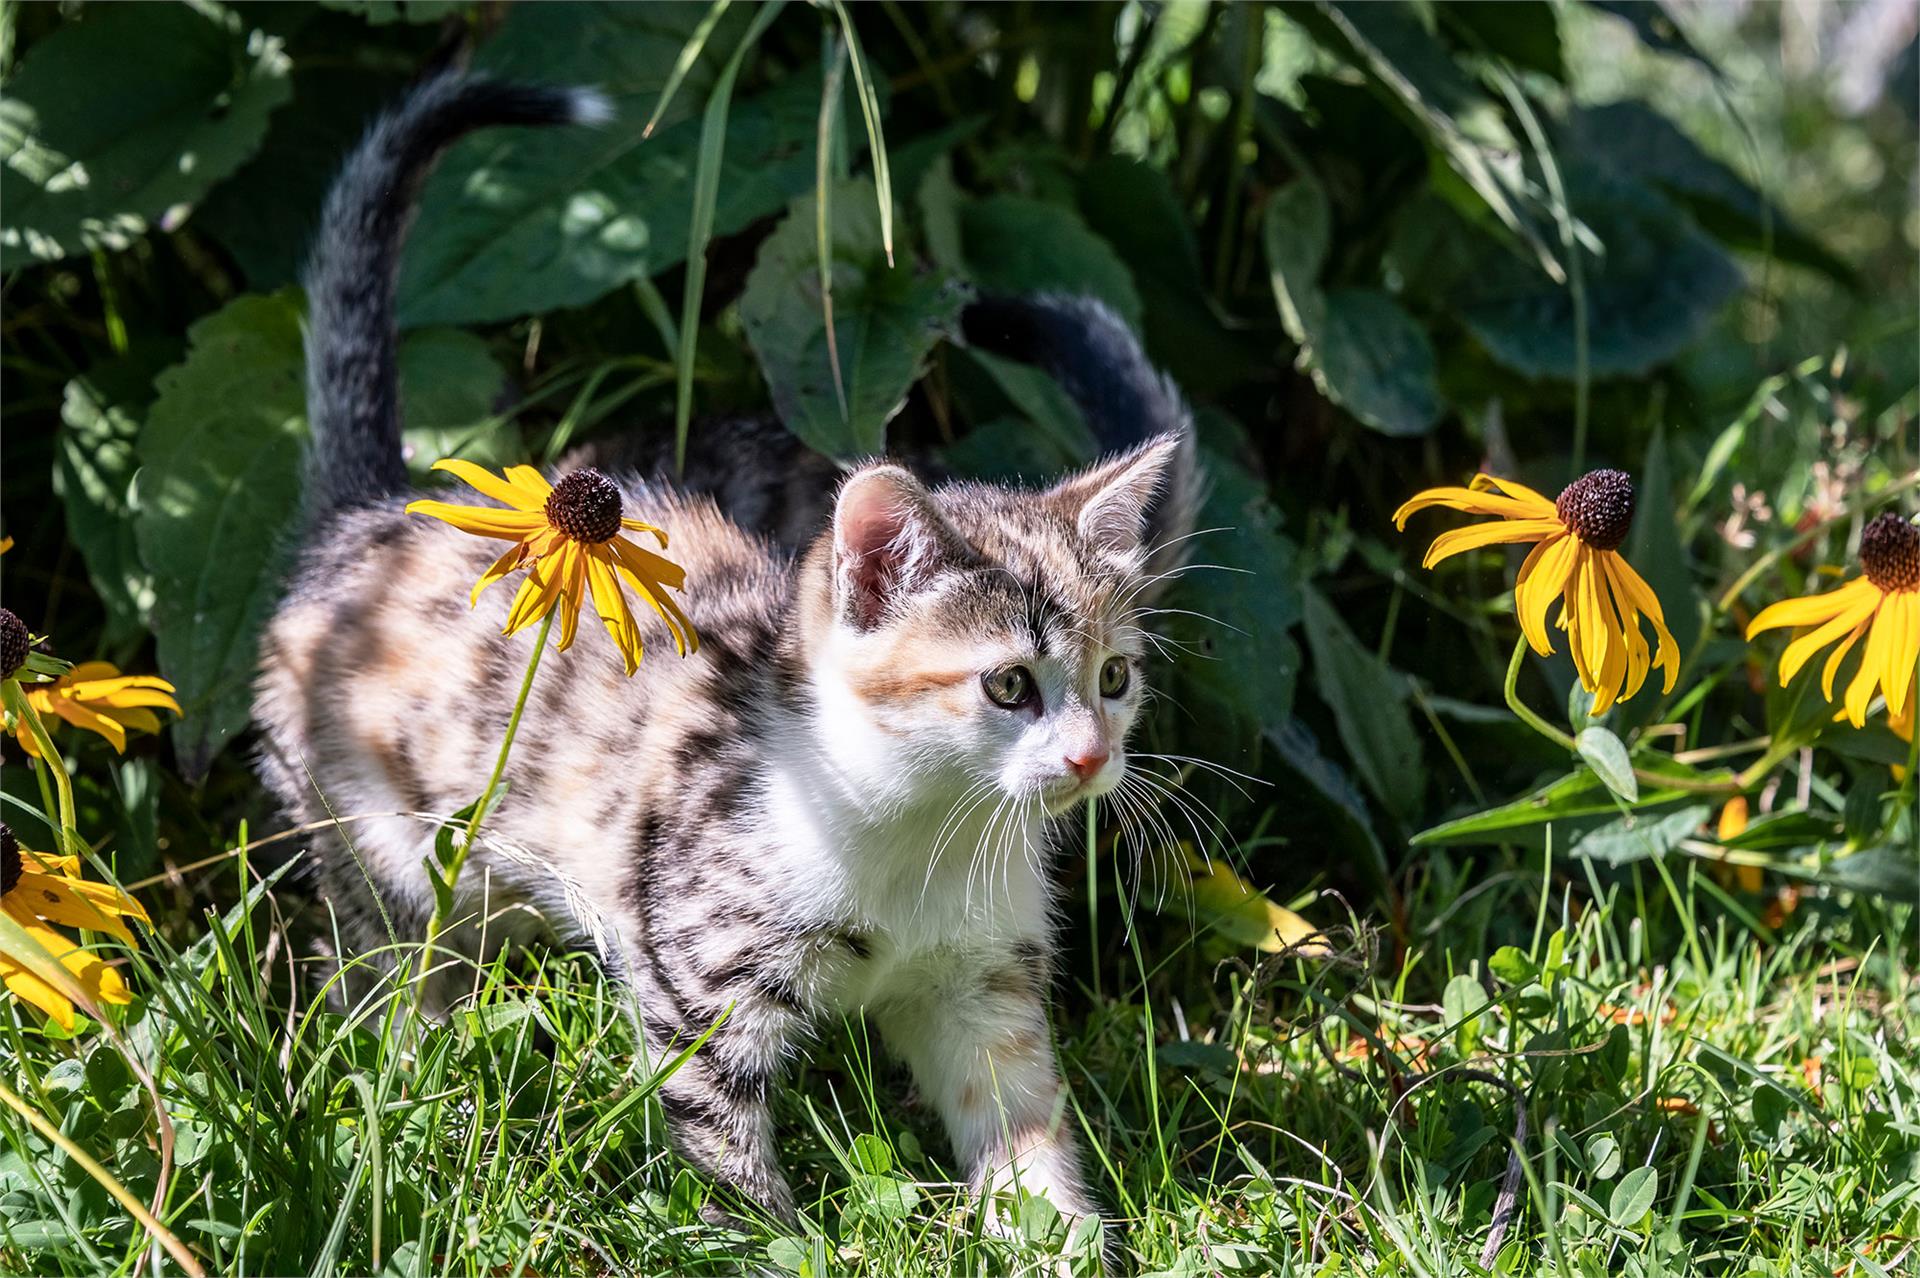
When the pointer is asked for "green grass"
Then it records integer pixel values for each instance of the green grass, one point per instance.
(1696, 1099)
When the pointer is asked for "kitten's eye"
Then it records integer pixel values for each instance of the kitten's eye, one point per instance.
(1009, 686)
(1114, 677)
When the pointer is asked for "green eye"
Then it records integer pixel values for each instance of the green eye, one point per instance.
(1010, 686)
(1114, 677)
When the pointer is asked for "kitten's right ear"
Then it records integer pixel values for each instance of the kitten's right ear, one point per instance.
(888, 540)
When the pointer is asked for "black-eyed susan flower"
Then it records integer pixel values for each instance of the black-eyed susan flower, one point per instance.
(1882, 605)
(567, 537)
(15, 643)
(37, 890)
(1576, 560)
(94, 695)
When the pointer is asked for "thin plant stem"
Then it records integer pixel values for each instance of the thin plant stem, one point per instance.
(68, 835)
(1781, 748)
(451, 879)
(106, 1180)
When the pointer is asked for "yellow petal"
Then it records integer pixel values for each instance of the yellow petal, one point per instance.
(1471, 501)
(482, 521)
(91, 971)
(1590, 631)
(1809, 610)
(1668, 655)
(1545, 506)
(538, 593)
(31, 989)
(485, 481)
(1801, 650)
(1639, 657)
(636, 567)
(88, 671)
(1500, 532)
(641, 525)
(48, 863)
(507, 563)
(62, 900)
(613, 610)
(532, 482)
(571, 569)
(1873, 664)
(643, 563)
(93, 721)
(1903, 648)
(1832, 667)
(1542, 578)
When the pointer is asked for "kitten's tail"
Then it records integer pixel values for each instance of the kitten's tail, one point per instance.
(353, 399)
(1126, 401)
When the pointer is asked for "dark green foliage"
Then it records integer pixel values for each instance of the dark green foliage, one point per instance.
(1380, 247)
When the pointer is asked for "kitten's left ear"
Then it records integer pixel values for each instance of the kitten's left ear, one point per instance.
(1110, 502)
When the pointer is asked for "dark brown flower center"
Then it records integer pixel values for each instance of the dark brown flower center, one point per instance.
(10, 862)
(1598, 508)
(13, 644)
(585, 506)
(1890, 552)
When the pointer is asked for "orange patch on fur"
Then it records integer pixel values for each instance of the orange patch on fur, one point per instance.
(891, 685)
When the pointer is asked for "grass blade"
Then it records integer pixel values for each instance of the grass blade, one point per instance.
(876, 143)
(706, 195)
(689, 54)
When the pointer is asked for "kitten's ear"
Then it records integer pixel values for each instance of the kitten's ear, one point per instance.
(1110, 502)
(888, 540)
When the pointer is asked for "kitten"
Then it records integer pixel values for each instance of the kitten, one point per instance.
(840, 804)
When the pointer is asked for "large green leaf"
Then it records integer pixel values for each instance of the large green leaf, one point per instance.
(885, 323)
(124, 117)
(218, 489)
(1015, 244)
(93, 473)
(1390, 45)
(1572, 804)
(1231, 610)
(1364, 351)
(1369, 703)
(1654, 286)
(520, 221)
(1640, 836)
(1634, 140)
(265, 214)
(1524, 32)
(218, 497)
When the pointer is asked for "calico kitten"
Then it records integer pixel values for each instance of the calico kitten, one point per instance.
(839, 804)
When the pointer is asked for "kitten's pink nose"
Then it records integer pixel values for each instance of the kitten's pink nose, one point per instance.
(1085, 766)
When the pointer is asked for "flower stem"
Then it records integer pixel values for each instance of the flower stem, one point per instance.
(106, 1180)
(437, 923)
(1729, 786)
(1519, 707)
(68, 836)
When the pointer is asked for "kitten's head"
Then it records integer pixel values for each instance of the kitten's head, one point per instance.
(982, 636)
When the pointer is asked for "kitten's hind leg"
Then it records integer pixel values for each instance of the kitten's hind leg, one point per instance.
(717, 1101)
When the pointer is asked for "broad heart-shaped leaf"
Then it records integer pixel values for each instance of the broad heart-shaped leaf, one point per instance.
(1364, 351)
(1373, 359)
(1369, 703)
(1016, 244)
(519, 221)
(125, 116)
(885, 322)
(1633, 1197)
(1634, 140)
(218, 490)
(217, 498)
(1570, 804)
(1654, 287)
(93, 473)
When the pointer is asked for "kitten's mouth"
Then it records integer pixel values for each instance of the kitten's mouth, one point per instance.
(1063, 793)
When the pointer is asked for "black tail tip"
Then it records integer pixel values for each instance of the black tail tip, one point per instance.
(1000, 325)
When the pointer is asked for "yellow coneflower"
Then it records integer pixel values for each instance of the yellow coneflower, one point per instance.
(1882, 606)
(36, 890)
(94, 695)
(567, 537)
(1576, 560)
